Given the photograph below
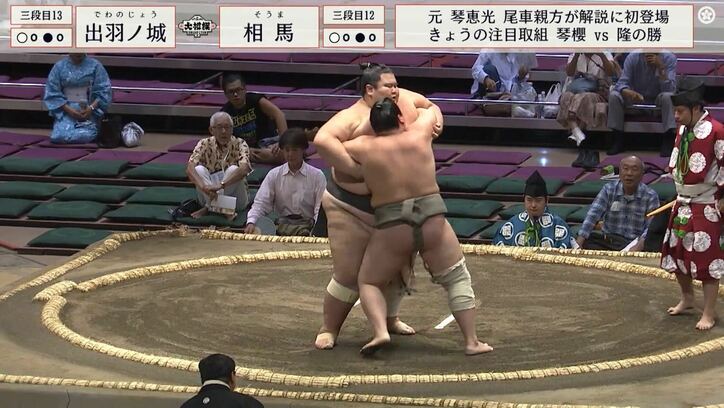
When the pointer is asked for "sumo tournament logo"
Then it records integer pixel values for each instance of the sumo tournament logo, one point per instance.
(197, 26)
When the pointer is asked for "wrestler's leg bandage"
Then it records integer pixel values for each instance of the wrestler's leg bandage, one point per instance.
(393, 295)
(341, 293)
(457, 283)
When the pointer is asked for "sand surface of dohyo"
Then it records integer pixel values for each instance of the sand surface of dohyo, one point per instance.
(266, 314)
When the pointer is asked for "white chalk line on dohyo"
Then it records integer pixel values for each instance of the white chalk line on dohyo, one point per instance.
(345, 380)
(446, 321)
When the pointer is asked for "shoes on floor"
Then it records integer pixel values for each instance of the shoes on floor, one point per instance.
(591, 160)
(579, 160)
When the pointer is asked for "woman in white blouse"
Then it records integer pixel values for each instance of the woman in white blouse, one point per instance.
(578, 109)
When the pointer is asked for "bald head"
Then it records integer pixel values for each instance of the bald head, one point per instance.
(632, 161)
(631, 170)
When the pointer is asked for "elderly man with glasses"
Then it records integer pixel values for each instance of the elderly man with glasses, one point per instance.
(218, 167)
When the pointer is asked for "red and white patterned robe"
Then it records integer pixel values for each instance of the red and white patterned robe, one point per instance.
(698, 253)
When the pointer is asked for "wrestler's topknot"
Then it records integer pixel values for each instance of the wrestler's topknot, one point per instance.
(384, 116)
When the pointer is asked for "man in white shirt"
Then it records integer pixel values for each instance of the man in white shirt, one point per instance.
(497, 71)
(293, 190)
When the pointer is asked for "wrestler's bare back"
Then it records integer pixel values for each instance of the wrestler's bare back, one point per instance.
(354, 122)
(399, 166)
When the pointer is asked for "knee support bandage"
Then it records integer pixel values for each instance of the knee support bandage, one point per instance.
(341, 293)
(457, 282)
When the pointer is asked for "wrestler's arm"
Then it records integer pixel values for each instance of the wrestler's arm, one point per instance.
(356, 149)
(329, 142)
(426, 120)
(420, 102)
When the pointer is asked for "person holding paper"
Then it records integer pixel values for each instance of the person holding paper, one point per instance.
(622, 205)
(218, 168)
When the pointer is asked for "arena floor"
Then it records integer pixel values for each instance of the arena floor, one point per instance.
(566, 330)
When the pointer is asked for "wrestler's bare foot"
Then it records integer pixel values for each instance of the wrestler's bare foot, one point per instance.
(230, 217)
(684, 304)
(374, 345)
(397, 326)
(706, 322)
(478, 348)
(200, 213)
(325, 341)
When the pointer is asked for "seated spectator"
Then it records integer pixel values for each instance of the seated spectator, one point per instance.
(535, 226)
(218, 382)
(495, 73)
(588, 85)
(622, 205)
(77, 95)
(293, 190)
(619, 59)
(647, 78)
(256, 120)
(218, 166)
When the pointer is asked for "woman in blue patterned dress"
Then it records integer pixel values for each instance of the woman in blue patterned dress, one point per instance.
(77, 95)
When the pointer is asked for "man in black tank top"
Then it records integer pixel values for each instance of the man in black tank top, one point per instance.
(255, 119)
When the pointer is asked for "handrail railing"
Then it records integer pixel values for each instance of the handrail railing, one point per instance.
(336, 96)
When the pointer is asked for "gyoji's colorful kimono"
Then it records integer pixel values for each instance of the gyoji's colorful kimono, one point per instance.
(78, 86)
(693, 241)
(548, 230)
